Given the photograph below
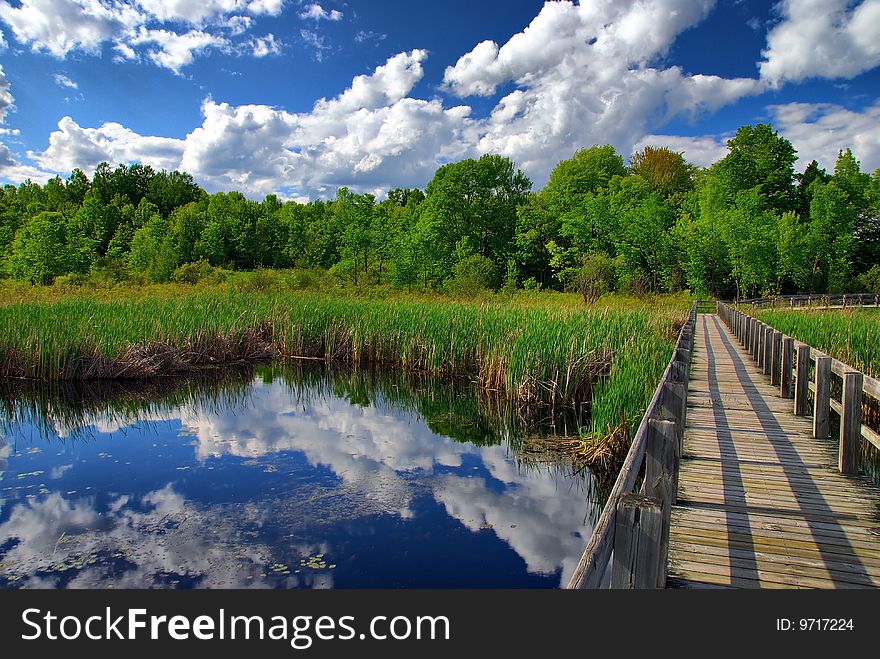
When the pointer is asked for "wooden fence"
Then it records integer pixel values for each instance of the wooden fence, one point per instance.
(800, 370)
(838, 301)
(635, 526)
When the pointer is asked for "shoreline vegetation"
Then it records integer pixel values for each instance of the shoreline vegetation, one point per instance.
(541, 350)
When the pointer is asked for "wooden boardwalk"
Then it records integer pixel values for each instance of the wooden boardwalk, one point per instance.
(761, 504)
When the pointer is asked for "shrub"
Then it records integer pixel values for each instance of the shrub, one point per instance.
(870, 281)
(473, 274)
(196, 273)
(593, 278)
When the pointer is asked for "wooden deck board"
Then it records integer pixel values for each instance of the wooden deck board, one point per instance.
(761, 503)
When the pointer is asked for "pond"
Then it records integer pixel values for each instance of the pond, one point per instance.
(266, 479)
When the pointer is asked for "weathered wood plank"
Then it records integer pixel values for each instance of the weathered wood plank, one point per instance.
(761, 502)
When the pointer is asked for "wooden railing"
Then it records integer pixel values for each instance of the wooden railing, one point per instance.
(635, 527)
(826, 301)
(800, 369)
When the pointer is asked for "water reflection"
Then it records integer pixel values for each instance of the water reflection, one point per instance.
(282, 480)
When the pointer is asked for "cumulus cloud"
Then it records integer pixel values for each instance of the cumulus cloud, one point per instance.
(316, 12)
(587, 74)
(820, 130)
(60, 27)
(198, 13)
(265, 46)
(581, 75)
(372, 135)
(5, 95)
(72, 146)
(174, 51)
(10, 168)
(822, 38)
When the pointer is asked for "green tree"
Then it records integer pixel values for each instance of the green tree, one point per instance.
(40, 251)
(473, 199)
(666, 171)
(759, 157)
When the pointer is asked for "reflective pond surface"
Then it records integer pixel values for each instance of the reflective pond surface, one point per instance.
(272, 481)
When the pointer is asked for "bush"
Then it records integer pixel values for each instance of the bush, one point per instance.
(259, 280)
(870, 281)
(473, 274)
(594, 278)
(532, 285)
(196, 273)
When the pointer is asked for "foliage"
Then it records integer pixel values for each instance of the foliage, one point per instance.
(748, 225)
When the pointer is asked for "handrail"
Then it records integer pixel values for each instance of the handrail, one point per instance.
(820, 301)
(668, 403)
(788, 362)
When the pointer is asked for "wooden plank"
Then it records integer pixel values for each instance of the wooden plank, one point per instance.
(637, 532)
(822, 397)
(761, 502)
(851, 572)
(851, 423)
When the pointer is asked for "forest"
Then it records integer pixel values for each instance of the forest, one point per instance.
(748, 225)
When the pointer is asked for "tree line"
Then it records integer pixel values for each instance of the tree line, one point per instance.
(748, 225)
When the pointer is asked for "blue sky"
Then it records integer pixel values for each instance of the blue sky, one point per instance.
(299, 97)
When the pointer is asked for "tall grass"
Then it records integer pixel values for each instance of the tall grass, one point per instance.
(609, 356)
(849, 335)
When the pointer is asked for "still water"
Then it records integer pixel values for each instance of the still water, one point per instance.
(280, 481)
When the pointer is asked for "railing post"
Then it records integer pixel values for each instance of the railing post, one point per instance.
(776, 359)
(759, 352)
(851, 422)
(768, 350)
(822, 398)
(802, 381)
(637, 532)
(661, 481)
(673, 405)
(785, 389)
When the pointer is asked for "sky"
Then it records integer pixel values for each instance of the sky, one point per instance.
(298, 98)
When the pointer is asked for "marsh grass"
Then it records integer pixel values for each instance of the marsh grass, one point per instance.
(532, 350)
(849, 335)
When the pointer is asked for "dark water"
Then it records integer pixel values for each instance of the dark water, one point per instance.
(272, 481)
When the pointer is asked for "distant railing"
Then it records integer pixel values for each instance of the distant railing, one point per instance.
(825, 301)
(635, 527)
(789, 363)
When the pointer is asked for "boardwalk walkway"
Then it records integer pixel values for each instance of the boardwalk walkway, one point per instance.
(761, 503)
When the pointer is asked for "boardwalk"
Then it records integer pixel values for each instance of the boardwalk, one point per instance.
(761, 503)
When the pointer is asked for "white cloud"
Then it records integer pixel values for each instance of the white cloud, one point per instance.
(376, 37)
(5, 95)
(264, 46)
(63, 81)
(238, 24)
(317, 13)
(176, 50)
(10, 168)
(317, 43)
(72, 146)
(200, 12)
(819, 130)
(60, 27)
(822, 38)
(587, 74)
(583, 74)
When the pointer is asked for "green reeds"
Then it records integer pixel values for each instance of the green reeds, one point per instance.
(852, 336)
(609, 356)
